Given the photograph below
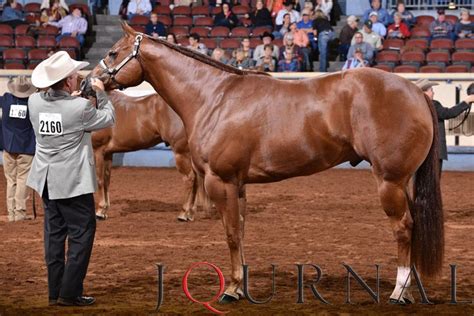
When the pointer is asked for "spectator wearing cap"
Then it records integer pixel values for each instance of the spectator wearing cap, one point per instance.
(226, 17)
(288, 8)
(323, 31)
(464, 27)
(346, 35)
(261, 16)
(407, 17)
(306, 25)
(194, 43)
(138, 7)
(19, 144)
(377, 27)
(325, 6)
(444, 113)
(357, 61)
(288, 63)
(155, 28)
(398, 29)
(72, 25)
(366, 48)
(440, 28)
(383, 15)
(267, 39)
(371, 37)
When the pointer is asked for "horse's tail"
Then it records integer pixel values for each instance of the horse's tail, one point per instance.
(427, 243)
(203, 199)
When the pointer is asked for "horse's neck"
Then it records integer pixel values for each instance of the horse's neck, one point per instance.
(186, 84)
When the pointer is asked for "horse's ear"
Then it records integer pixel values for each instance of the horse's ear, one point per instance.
(127, 29)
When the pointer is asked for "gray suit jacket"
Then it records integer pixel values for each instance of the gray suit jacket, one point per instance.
(64, 157)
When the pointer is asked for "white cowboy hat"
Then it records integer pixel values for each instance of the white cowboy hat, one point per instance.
(20, 87)
(54, 69)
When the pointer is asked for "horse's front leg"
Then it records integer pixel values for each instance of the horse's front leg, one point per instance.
(225, 195)
(100, 171)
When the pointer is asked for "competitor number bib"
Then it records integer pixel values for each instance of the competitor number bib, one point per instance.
(50, 124)
(18, 111)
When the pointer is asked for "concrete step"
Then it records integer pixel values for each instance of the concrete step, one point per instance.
(109, 29)
(99, 51)
(107, 19)
(107, 38)
(103, 45)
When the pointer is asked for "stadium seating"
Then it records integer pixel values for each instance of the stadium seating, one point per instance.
(25, 42)
(46, 42)
(182, 11)
(393, 44)
(201, 30)
(162, 10)
(405, 69)
(240, 31)
(431, 69)
(391, 58)
(219, 31)
(384, 67)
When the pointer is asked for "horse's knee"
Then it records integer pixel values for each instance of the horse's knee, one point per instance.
(233, 240)
(402, 229)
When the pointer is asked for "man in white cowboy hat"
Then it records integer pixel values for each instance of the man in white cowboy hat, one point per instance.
(443, 114)
(63, 171)
(19, 144)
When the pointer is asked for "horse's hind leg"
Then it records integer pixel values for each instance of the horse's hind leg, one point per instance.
(226, 197)
(107, 175)
(394, 199)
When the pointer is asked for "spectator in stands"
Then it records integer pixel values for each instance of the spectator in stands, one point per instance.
(371, 37)
(297, 53)
(366, 48)
(274, 6)
(444, 114)
(194, 43)
(267, 39)
(123, 10)
(267, 62)
(440, 28)
(55, 13)
(357, 61)
(301, 39)
(19, 144)
(407, 17)
(306, 25)
(383, 16)
(48, 4)
(155, 28)
(345, 38)
(284, 28)
(245, 45)
(464, 28)
(219, 55)
(226, 17)
(325, 6)
(171, 38)
(261, 16)
(288, 63)
(239, 60)
(294, 15)
(398, 29)
(138, 7)
(11, 15)
(72, 25)
(377, 27)
(323, 30)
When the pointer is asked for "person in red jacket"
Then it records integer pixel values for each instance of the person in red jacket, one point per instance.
(398, 29)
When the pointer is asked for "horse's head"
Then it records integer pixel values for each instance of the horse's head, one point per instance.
(120, 68)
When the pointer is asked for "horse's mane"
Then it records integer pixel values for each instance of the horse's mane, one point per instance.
(206, 59)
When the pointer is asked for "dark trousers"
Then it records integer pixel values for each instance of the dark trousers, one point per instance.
(73, 218)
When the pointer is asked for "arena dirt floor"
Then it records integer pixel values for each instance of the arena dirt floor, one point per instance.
(326, 219)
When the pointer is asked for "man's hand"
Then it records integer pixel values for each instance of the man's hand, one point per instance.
(74, 34)
(469, 99)
(97, 85)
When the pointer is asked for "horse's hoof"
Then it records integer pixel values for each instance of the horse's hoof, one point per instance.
(228, 299)
(100, 217)
(401, 301)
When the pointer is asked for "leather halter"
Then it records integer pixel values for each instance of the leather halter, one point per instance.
(112, 72)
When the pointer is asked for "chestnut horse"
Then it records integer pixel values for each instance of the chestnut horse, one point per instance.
(142, 122)
(244, 127)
